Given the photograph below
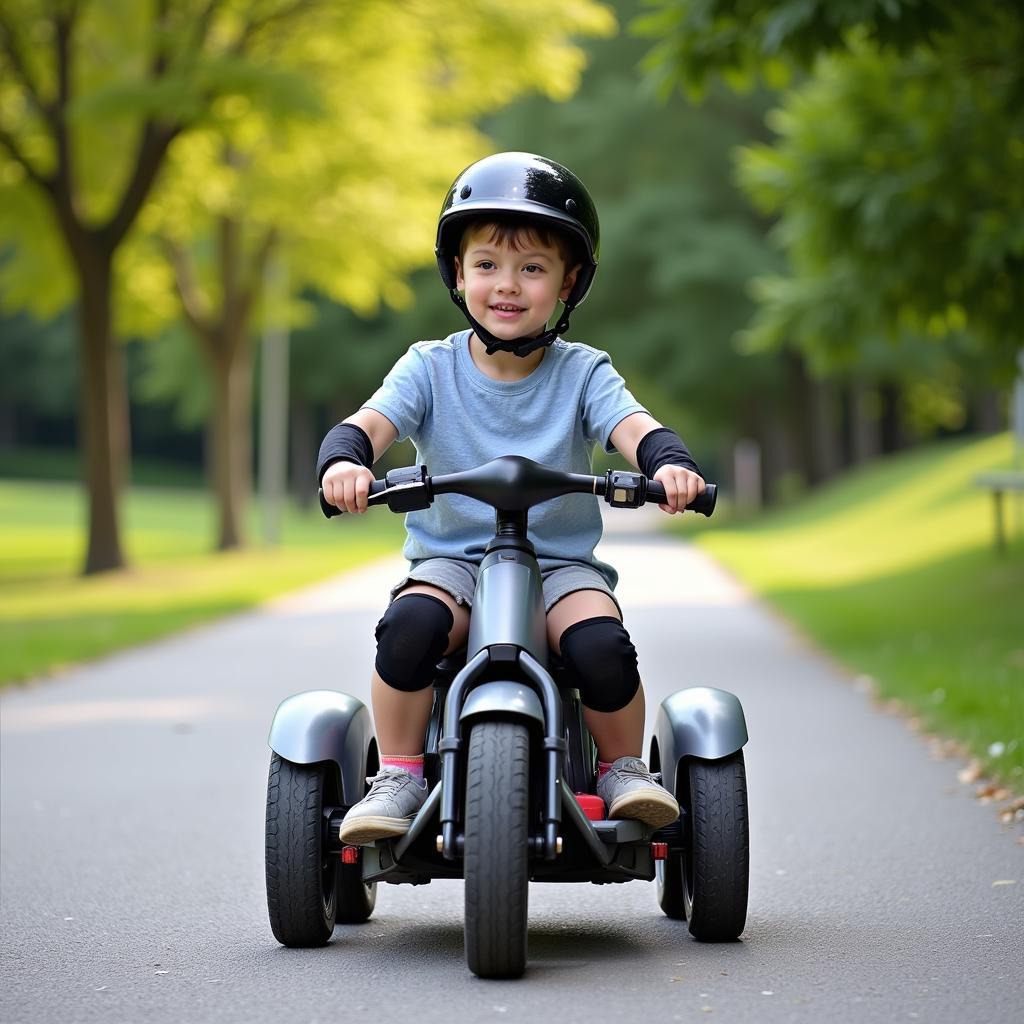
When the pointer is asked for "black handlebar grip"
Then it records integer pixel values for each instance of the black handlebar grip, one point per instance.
(330, 511)
(703, 503)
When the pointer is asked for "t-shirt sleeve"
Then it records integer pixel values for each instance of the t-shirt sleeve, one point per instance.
(404, 395)
(606, 402)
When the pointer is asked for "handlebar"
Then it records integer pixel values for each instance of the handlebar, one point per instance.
(514, 483)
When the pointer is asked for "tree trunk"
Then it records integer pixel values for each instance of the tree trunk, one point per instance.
(891, 424)
(865, 432)
(232, 441)
(822, 430)
(303, 445)
(986, 411)
(102, 415)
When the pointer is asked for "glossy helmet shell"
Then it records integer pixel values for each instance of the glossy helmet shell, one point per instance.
(525, 184)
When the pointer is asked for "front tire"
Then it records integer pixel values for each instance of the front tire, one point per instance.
(716, 857)
(496, 855)
(308, 888)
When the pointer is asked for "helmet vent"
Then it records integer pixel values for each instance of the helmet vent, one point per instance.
(467, 191)
(570, 206)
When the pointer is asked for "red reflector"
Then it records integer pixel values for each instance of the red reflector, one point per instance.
(659, 851)
(592, 804)
(350, 855)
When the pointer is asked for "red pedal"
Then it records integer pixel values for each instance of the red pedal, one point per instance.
(592, 804)
(659, 851)
(350, 855)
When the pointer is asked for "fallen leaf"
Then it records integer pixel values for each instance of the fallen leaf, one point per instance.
(971, 773)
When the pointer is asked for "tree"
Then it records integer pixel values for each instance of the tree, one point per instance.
(897, 176)
(92, 95)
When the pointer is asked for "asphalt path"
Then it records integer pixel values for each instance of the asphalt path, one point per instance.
(131, 848)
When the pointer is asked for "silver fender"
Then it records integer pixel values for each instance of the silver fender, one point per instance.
(502, 698)
(699, 722)
(325, 725)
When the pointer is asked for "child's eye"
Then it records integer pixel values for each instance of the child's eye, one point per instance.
(533, 268)
(485, 265)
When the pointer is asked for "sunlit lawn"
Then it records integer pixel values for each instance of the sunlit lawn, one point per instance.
(50, 616)
(894, 571)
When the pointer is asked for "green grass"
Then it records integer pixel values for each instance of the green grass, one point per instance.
(51, 617)
(893, 570)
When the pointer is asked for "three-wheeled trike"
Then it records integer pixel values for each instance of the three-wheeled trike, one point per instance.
(510, 764)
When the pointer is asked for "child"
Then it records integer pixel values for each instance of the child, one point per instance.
(517, 233)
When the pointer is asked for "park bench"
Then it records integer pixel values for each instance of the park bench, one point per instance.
(999, 482)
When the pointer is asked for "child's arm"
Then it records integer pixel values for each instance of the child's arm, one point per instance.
(345, 483)
(676, 472)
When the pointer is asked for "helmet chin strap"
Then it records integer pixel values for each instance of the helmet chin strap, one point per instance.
(521, 347)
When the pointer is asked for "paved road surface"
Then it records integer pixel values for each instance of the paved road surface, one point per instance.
(132, 876)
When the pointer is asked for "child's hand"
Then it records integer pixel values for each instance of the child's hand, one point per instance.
(346, 485)
(681, 487)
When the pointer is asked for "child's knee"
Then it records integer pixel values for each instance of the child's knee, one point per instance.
(601, 662)
(412, 635)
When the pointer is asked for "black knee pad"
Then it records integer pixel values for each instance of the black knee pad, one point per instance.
(411, 637)
(601, 662)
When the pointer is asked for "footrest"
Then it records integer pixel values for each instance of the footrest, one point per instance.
(620, 831)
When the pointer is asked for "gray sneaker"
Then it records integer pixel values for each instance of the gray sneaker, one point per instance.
(387, 810)
(629, 791)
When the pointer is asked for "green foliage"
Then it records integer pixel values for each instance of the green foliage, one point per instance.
(901, 193)
(741, 39)
(345, 177)
(897, 177)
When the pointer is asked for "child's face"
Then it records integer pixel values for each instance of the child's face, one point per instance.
(512, 289)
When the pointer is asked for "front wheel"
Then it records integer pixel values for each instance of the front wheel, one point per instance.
(496, 856)
(707, 882)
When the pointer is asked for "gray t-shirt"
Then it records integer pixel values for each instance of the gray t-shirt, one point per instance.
(458, 418)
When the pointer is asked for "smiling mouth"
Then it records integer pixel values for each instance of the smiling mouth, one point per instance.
(506, 308)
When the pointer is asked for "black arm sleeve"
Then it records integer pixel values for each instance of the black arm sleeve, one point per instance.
(344, 443)
(663, 447)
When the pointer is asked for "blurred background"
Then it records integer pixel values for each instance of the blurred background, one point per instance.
(216, 231)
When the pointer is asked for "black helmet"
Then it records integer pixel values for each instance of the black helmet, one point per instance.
(524, 185)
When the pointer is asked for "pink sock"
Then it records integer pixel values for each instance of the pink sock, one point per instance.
(413, 765)
(603, 767)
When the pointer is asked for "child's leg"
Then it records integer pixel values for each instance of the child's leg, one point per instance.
(618, 733)
(400, 714)
(410, 639)
(585, 628)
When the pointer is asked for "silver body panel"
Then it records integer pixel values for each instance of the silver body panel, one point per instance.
(502, 698)
(700, 721)
(325, 725)
(508, 607)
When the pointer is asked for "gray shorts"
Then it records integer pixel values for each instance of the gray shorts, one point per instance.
(458, 578)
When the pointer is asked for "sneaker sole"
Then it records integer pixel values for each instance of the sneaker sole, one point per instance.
(367, 828)
(649, 808)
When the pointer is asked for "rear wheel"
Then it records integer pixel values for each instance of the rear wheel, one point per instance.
(496, 857)
(716, 860)
(308, 888)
